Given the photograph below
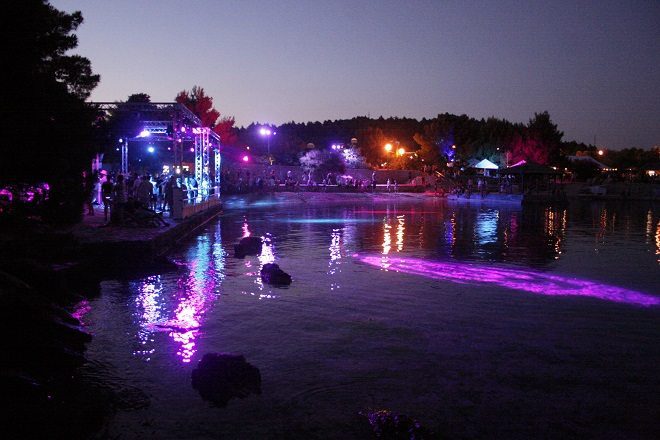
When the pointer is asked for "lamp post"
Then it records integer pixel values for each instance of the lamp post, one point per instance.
(267, 133)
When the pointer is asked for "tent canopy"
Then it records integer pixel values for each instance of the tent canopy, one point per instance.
(486, 165)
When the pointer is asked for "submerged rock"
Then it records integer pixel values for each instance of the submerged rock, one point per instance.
(272, 274)
(220, 377)
(248, 246)
(390, 426)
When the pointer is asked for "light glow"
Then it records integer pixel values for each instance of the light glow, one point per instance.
(517, 279)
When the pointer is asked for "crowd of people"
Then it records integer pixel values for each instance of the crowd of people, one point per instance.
(119, 193)
(243, 181)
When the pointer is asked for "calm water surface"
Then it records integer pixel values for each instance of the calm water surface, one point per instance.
(480, 322)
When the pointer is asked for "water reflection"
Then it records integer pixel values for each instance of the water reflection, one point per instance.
(517, 279)
(399, 237)
(399, 232)
(179, 311)
(653, 233)
(335, 256)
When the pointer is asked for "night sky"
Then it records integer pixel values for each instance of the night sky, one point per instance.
(594, 65)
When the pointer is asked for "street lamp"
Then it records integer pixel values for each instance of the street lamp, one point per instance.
(267, 133)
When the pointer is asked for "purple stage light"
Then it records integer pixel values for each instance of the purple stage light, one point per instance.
(246, 158)
(150, 149)
(144, 133)
(517, 279)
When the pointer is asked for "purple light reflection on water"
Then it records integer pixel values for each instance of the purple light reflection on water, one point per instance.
(80, 310)
(179, 312)
(518, 279)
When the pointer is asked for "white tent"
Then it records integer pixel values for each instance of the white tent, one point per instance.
(486, 165)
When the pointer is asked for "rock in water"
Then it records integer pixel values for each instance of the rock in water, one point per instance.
(248, 246)
(272, 274)
(388, 425)
(220, 377)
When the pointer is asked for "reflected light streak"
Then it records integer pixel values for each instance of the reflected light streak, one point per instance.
(486, 227)
(525, 280)
(387, 239)
(335, 255)
(657, 241)
(399, 232)
(326, 220)
(267, 256)
(388, 212)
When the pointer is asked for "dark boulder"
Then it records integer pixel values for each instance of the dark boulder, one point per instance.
(248, 246)
(272, 274)
(220, 377)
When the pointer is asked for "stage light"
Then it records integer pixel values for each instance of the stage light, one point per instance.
(246, 158)
(144, 133)
(192, 150)
(150, 149)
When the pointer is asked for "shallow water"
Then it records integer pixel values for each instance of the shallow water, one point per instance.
(479, 322)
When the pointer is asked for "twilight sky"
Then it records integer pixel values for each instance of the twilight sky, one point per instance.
(594, 65)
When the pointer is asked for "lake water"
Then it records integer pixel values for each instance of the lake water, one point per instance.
(478, 321)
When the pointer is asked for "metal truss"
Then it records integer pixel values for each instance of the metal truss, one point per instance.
(157, 117)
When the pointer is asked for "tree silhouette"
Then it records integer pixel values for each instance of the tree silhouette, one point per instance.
(46, 123)
(200, 104)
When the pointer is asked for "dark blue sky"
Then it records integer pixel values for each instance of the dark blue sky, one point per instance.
(594, 65)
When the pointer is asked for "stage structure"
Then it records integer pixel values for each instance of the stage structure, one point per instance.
(167, 122)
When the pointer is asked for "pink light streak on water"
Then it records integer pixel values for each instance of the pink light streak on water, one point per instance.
(81, 309)
(519, 279)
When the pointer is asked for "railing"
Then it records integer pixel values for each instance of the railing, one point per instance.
(191, 205)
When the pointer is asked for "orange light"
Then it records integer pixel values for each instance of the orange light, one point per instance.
(400, 151)
(601, 152)
(388, 147)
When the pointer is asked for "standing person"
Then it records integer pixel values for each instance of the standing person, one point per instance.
(396, 186)
(169, 192)
(98, 197)
(106, 194)
(154, 192)
(388, 184)
(162, 194)
(144, 191)
(119, 199)
(88, 185)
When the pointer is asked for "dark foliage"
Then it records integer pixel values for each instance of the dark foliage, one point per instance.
(46, 123)
(444, 138)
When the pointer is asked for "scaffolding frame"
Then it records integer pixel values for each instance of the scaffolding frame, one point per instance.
(185, 126)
